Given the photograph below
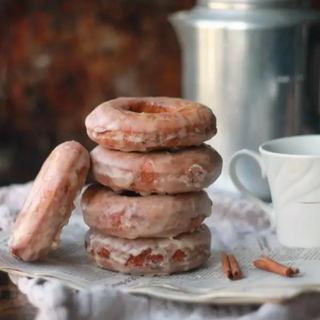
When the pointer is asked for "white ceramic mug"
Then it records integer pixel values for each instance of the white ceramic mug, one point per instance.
(292, 167)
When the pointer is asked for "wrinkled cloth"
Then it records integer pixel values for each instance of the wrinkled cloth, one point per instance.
(56, 301)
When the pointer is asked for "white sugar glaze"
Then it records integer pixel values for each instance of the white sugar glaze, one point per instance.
(144, 124)
(162, 172)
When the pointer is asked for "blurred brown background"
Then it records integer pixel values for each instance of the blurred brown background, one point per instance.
(59, 59)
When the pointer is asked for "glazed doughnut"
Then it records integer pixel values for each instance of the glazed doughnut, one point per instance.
(153, 256)
(153, 123)
(131, 216)
(162, 172)
(49, 204)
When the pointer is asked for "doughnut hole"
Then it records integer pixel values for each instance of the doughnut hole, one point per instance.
(145, 107)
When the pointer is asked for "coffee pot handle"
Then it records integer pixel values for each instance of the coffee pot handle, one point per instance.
(239, 185)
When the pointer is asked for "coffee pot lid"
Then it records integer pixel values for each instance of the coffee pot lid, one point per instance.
(206, 2)
(255, 1)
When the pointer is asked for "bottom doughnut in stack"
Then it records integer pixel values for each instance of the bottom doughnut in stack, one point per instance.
(150, 256)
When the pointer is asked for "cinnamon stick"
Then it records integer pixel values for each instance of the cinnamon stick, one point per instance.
(270, 265)
(226, 265)
(235, 269)
(286, 271)
(260, 264)
(230, 266)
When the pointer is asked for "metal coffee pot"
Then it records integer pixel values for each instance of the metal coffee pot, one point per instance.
(251, 62)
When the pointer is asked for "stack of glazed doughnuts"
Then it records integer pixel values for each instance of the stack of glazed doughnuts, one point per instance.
(146, 210)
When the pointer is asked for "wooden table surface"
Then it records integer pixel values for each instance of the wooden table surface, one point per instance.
(13, 304)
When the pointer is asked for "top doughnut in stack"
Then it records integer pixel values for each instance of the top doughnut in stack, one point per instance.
(150, 147)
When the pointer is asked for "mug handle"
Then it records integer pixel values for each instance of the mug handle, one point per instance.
(238, 184)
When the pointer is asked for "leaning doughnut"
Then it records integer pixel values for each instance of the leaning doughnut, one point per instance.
(153, 123)
(162, 172)
(49, 204)
(151, 255)
(131, 216)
